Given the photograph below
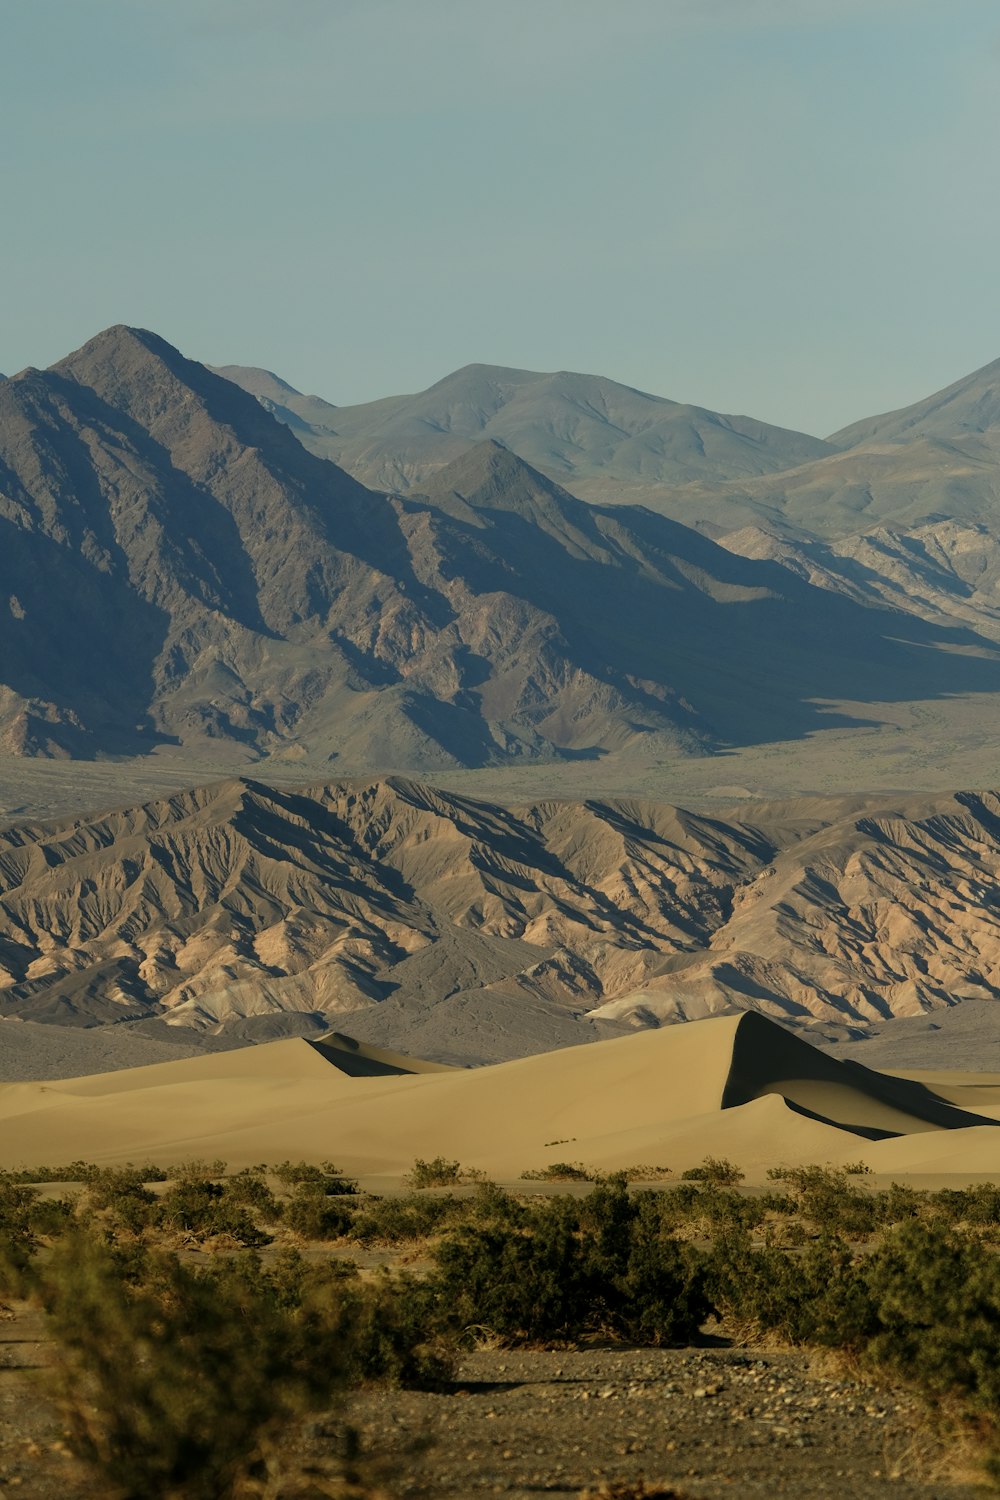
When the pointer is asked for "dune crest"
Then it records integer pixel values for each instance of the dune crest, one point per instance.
(736, 1086)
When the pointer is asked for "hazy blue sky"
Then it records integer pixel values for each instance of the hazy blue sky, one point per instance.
(782, 207)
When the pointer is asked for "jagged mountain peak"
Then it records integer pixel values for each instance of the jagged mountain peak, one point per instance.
(177, 567)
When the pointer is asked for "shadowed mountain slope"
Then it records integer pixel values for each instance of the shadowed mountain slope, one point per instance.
(567, 425)
(906, 514)
(446, 927)
(177, 568)
(236, 900)
(901, 510)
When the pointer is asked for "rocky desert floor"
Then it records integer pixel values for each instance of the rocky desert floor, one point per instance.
(695, 1424)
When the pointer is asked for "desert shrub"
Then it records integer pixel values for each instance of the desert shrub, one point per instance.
(436, 1173)
(720, 1211)
(978, 1204)
(938, 1303)
(180, 1382)
(411, 1217)
(17, 1208)
(521, 1284)
(569, 1266)
(315, 1216)
(75, 1171)
(287, 1279)
(679, 1205)
(197, 1204)
(389, 1330)
(172, 1387)
(108, 1186)
(15, 1260)
(49, 1217)
(897, 1203)
(558, 1171)
(829, 1199)
(493, 1204)
(326, 1175)
(716, 1171)
(818, 1296)
(249, 1189)
(650, 1289)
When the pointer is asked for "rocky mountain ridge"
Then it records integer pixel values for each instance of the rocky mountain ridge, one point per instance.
(466, 931)
(179, 570)
(900, 509)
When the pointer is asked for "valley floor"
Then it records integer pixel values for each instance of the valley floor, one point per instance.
(707, 1423)
(701, 1424)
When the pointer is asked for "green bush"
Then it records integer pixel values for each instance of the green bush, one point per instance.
(978, 1205)
(521, 1285)
(288, 1279)
(312, 1214)
(716, 1171)
(831, 1200)
(937, 1298)
(175, 1381)
(436, 1173)
(558, 1171)
(651, 1289)
(326, 1175)
(196, 1204)
(389, 1330)
(411, 1217)
(17, 1209)
(173, 1387)
(570, 1266)
(249, 1189)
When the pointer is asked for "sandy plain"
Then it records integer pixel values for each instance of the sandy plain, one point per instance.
(735, 1086)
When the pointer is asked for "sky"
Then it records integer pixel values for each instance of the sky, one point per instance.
(783, 208)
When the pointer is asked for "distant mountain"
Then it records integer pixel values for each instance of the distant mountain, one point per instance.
(236, 901)
(971, 405)
(570, 427)
(168, 557)
(177, 568)
(305, 415)
(888, 910)
(900, 510)
(906, 513)
(458, 929)
(941, 571)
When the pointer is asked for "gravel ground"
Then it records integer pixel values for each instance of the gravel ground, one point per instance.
(699, 1424)
(706, 1423)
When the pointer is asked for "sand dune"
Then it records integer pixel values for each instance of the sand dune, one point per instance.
(739, 1087)
(360, 1060)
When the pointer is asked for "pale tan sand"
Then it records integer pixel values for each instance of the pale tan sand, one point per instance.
(975, 1151)
(664, 1098)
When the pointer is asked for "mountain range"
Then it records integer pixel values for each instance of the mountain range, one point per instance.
(178, 570)
(900, 509)
(466, 931)
(573, 427)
